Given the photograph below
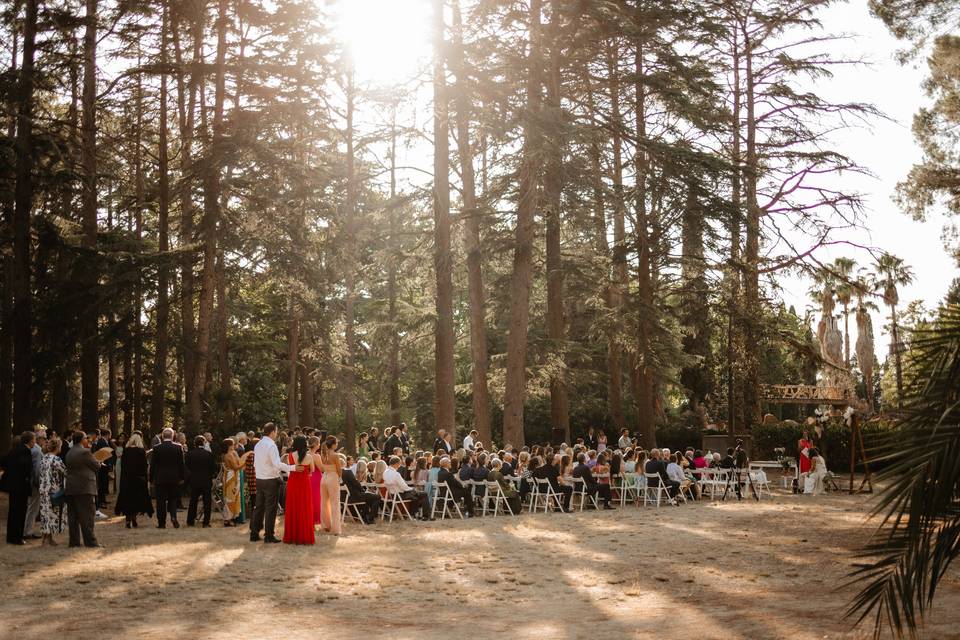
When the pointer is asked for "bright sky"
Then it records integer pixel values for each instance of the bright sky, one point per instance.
(390, 41)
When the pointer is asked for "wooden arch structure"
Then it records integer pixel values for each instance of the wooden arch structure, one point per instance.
(834, 396)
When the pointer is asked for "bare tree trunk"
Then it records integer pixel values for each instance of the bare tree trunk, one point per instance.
(552, 191)
(223, 346)
(209, 228)
(735, 346)
(897, 360)
(113, 400)
(516, 379)
(159, 388)
(621, 276)
(293, 364)
(89, 352)
(471, 239)
(751, 300)
(307, 399)
(444, 399)
(138, 286)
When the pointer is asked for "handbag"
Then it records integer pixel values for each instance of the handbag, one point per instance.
(57, 498)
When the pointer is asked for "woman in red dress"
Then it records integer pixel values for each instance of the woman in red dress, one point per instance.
(298, 509)
(804, 445)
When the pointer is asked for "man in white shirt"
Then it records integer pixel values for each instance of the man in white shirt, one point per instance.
(624, 442)
(267, 466)
(469, 440)
(396, 484)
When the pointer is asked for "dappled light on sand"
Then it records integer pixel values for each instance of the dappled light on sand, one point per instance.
(707, 570)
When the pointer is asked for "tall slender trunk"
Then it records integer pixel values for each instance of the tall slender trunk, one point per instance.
(751, 299)
(209, 227)
(159, 388)
(646, 398)
(138, 234)
(186, 116)
(113, 400)
(293, 363)
(307, 399)
(350, 267)
(224, 369)
(393, 358)
(89, 352)
(621, 277)
(6, 233)
(897, 360)
(471, 239)
(444, 399)
(734, 273)
(846, 335)
(552, 191)
(516, 379)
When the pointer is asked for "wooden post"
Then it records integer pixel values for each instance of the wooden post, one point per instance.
(854, 430)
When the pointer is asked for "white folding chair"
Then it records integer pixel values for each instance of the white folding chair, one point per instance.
(445, 496)
(630, 487)
(496, 495)
(760, 481)
(349, 508)
(654, 490)
(533, 496)
(395, 506)
(550, 497)
(581, 495)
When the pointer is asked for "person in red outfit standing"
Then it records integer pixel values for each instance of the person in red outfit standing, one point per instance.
(298, 509)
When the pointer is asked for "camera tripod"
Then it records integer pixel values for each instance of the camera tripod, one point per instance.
(733, 479)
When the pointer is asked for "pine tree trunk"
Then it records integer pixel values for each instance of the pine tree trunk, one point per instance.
(751, 286)
(293, 363)
(471, 239)
(735, 346)
(138, 286)
(516, 379)
(209, 229)
(7, 261)
(645, 396)
(552, 191)
(444, 399)
(89, 352)
(223, 347)
(350, 267)
(307, 399)
(159, 387)
(393, 358)
(621, 278)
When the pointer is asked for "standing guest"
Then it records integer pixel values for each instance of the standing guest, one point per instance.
(52, 471)
(133, 495)
(393, 441)
(298, 505)
(804, 445)
(590, 440)
(363, 448)
(208, 441)
(103, 475)
(268, 466)
(624, 442)
(81, 491)
(374, 439)
(448, 443)
(167, 472)
(331, 466)
(33, 504)
(119, 445)
(244, 444)
(358, 495)
(232, 465)
(404, 438)
(395, 484)
(249, 475)
(440, 443)
(601, 442)
(201, 467)
(18, 475)
(470, 439)
(316, 477)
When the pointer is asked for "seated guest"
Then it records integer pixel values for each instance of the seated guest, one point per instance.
(591, 486)
(480, 473)
(591, 459)
(466, 469)
(432, 481)
(357, 494)
(699, 462)
(395, 484)
(526, 478)
(657, 466)
(507, 467)
(715, 461)
(447, 478)
(422, 472)
(728, 462)
(630, 462)
(813, 480)
(675, 473)
(513, 498)
(551, 471)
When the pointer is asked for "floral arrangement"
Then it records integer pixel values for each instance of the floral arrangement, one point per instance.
(784, 461)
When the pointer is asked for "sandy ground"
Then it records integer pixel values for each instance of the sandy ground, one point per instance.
(707, 570)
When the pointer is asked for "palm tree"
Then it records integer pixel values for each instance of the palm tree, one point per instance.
(843, 270)
(920, 522)
(891, 272)
(865, 345)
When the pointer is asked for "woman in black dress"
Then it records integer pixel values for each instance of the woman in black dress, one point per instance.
(134, 497)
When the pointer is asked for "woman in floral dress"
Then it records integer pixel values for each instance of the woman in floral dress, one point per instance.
(52, 471)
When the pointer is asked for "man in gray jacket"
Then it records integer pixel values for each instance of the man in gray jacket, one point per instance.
(81, 491)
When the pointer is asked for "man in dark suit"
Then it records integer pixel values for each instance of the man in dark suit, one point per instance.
(167, 472)
(201, 468)
(18, 476)
(357, 494)
(103, 475)
(458, 491)
(656, 465)
(404, 437)
(590, 483)
(81, 491)
(551, 472)
(393, 441)
(439, 444)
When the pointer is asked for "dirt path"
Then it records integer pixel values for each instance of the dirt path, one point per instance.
(708, 570)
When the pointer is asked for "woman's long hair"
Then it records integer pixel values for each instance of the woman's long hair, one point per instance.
(300, 447)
